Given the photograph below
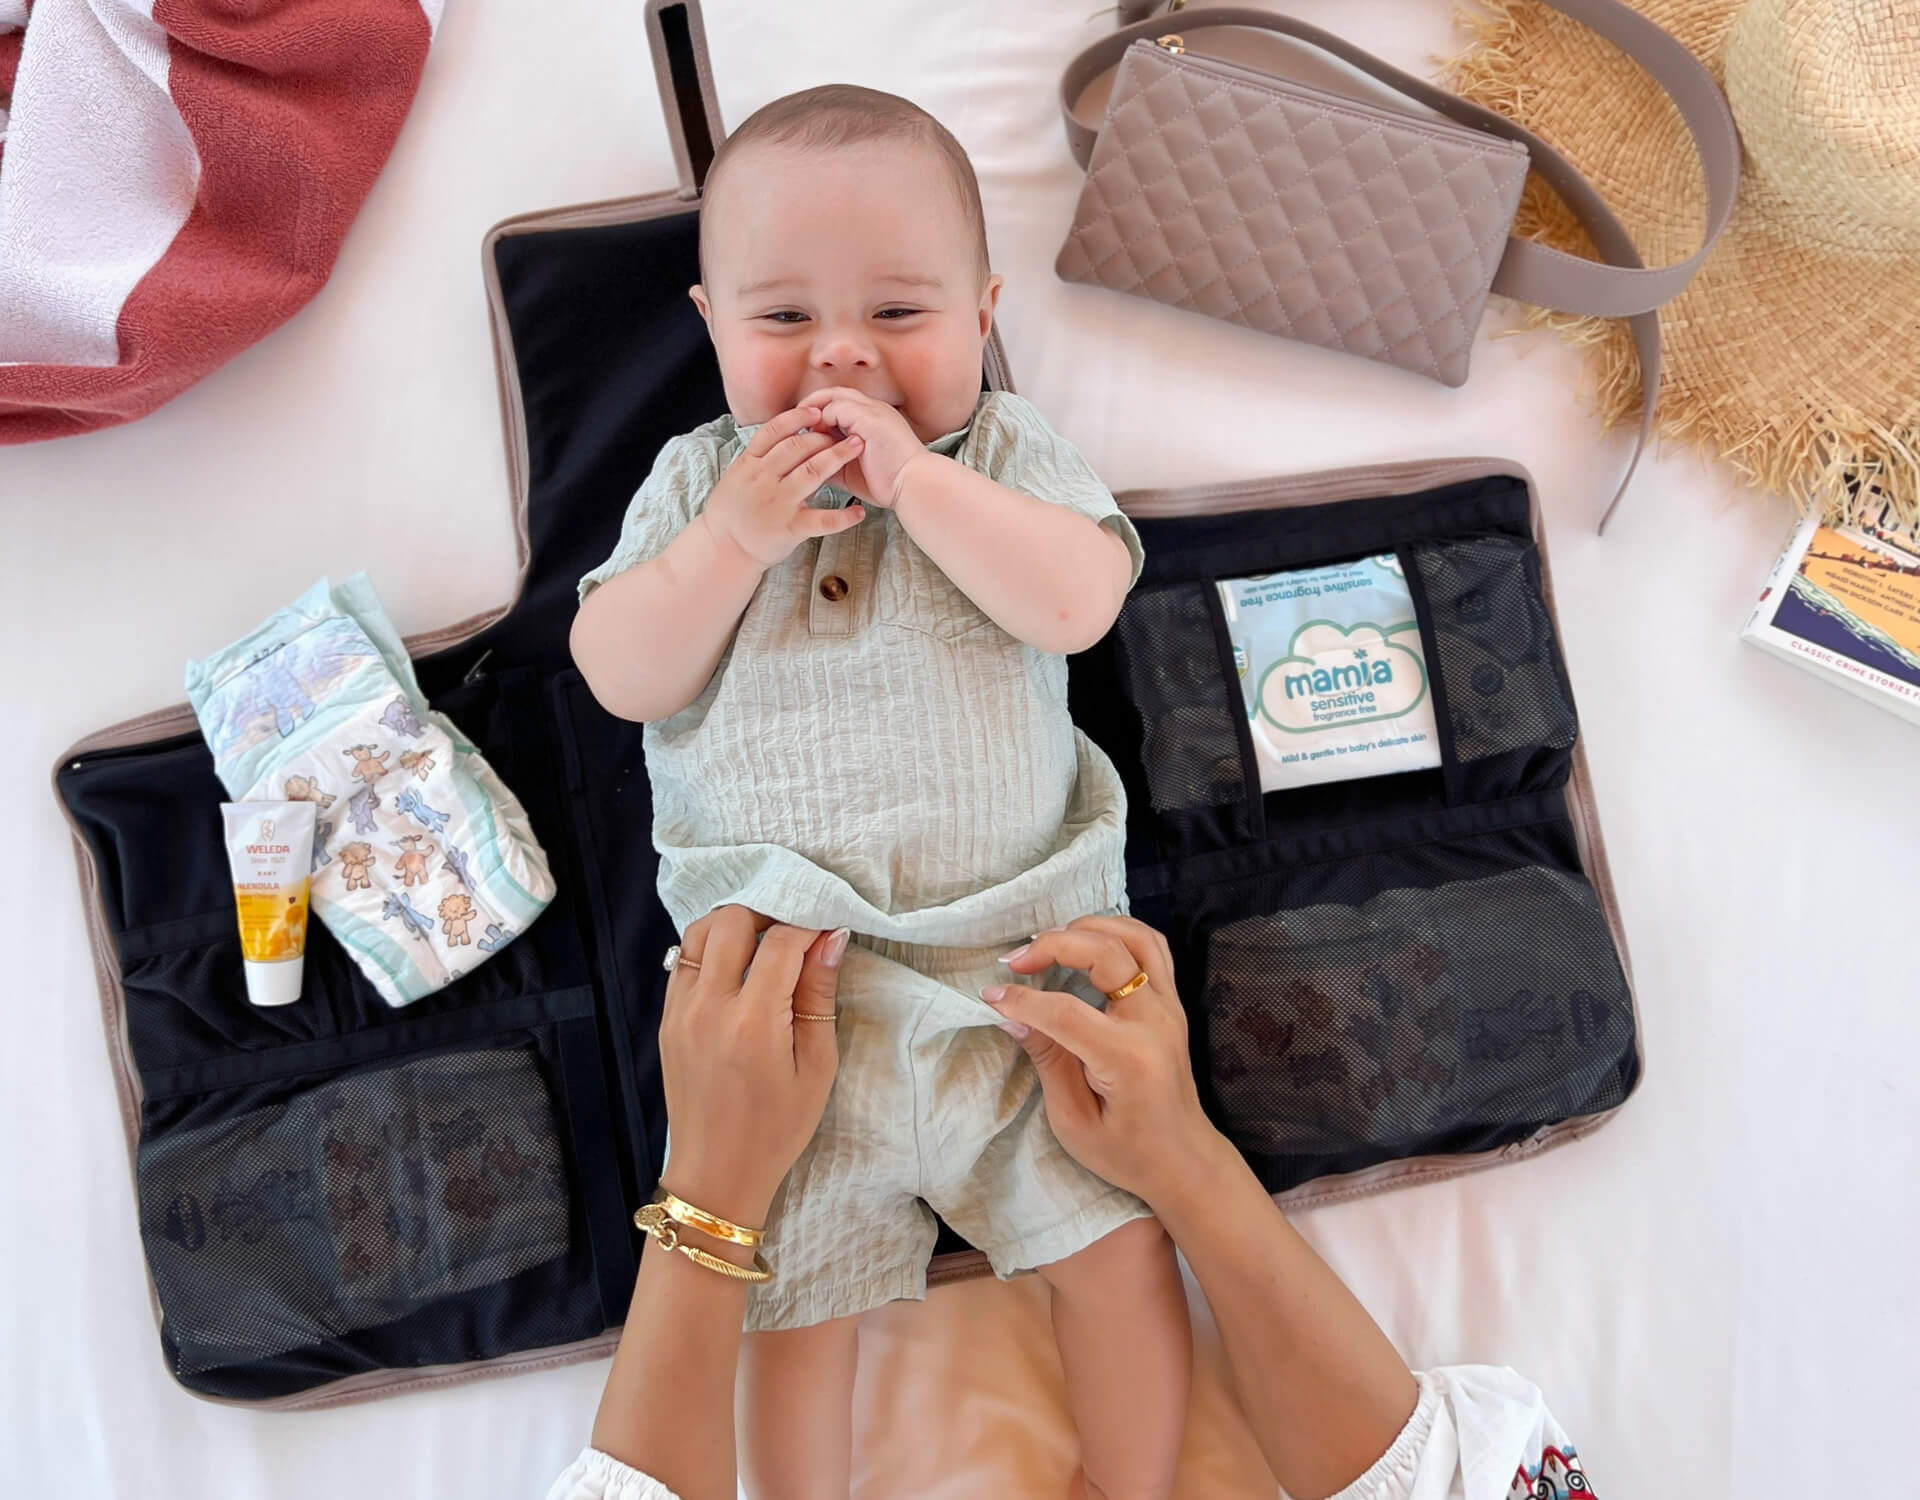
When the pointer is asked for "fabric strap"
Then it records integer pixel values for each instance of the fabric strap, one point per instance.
(1623, 287)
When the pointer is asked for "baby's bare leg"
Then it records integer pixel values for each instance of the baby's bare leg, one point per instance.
(793, 1411)
(1120, 1319)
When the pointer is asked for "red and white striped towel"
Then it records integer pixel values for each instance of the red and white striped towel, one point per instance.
(176, 178)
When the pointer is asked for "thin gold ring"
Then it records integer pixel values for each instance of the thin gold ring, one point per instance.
(671, 960)
(807, 1015)
(1129, 987)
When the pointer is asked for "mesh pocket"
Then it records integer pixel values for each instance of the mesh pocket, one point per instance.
(1498, 660)
(1190, 743)
(351, 1205)
(1418, 1021)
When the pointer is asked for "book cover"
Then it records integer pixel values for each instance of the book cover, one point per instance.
(1844, 602)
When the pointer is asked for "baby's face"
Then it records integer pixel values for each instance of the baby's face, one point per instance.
(851, 267)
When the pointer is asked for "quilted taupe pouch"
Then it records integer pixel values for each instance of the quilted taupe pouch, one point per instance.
(1323, 215)
(1295, 212)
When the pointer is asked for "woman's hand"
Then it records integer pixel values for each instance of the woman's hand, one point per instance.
(1118, 1084)
(1323, 1390)
(746, 1082)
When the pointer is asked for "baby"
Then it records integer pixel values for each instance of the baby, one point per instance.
(841, 611)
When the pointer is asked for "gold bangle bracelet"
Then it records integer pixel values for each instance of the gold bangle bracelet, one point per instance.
(683, 1212)
(652, 1220)
(761, 1272)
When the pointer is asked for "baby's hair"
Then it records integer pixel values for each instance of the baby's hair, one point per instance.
(844, 114)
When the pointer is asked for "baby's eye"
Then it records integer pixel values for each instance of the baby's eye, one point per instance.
(898, 312)
(786, 315)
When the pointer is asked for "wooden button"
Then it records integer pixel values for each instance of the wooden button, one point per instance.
(833, 588)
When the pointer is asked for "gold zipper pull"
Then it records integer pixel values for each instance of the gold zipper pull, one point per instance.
(1171, 43)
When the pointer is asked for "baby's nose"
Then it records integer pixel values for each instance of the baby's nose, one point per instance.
(841, 350)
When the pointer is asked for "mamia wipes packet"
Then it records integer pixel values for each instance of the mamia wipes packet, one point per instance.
(1332, 671)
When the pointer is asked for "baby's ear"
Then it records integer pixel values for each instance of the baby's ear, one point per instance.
(699, 295)
(989, 299)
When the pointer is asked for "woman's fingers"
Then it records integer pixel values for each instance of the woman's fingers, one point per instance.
(1109, 956)
(1148, 945)
(777, 429)
(1067, 1019)
(816, 1047)
(721, 943)
(776, 966)
(1072, 1105)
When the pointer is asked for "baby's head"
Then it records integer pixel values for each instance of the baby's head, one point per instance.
(842, 243)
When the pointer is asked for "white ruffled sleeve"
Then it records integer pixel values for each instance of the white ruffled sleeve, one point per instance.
(597, 1476)
(1478, 1433)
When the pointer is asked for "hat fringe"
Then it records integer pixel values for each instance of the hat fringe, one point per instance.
(1833, 459)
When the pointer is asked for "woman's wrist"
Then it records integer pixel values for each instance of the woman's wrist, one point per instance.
(1210, 1174)
(717, 1193)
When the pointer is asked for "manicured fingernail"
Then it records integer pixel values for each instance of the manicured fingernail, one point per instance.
(1007, 958)
(835, 947)
(1015, 1030)
(993, 994)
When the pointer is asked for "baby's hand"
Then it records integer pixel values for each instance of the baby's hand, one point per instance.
(890, 443)
(760, 504)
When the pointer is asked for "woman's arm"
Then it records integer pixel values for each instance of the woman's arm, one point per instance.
(1324, 1391)
(668, 1406)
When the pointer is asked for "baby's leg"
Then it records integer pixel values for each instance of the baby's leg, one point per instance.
(793, 1412)
(1120, 1319)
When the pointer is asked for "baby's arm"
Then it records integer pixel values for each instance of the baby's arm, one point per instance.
(647, 640)
(1052, 577)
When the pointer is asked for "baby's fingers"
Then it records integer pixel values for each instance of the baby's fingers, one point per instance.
(796, 448)
(807, 477)
(777, 429)
(812, 520)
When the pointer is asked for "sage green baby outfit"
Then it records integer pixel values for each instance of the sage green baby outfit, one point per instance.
(874, 752)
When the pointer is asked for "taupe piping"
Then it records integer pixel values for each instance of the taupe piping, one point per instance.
(1215, 499)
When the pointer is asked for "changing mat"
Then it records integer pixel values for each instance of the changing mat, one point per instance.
(423, 863)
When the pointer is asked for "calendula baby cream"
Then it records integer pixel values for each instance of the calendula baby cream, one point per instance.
(270, 851)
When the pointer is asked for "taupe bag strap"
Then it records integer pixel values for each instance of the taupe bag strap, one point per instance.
(1535, 273)
(678, 40)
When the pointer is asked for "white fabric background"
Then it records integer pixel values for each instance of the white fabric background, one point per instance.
(1716, 1291)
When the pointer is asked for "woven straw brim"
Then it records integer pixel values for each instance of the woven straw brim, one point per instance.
(1799, 366)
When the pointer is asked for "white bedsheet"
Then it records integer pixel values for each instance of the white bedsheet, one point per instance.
(1711, 1290)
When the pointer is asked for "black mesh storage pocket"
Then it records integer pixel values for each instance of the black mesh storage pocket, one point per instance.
(1503, 684)
(351, 1205)
(1448, 1018)
(1192, 727)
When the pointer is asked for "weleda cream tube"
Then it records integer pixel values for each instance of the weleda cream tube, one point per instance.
(270, 851)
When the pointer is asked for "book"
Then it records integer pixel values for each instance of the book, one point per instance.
(1843, 602)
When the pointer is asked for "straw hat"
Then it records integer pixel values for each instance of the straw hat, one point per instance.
(1795, 354)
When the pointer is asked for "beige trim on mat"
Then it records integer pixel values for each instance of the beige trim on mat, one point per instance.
(1218, 499)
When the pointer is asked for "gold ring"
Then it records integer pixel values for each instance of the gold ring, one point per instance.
(671, 960)
(1129, 987)
(807, 1015)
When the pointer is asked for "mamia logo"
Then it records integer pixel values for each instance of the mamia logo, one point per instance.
(1333, 675)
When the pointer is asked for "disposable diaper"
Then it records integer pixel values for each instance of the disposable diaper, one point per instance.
(423, 863)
